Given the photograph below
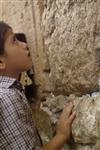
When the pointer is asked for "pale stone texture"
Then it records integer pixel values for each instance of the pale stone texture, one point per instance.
(72, 30)
(43, 123)
(72, 37)
(86, 126)
(64, 49)
(83, 147)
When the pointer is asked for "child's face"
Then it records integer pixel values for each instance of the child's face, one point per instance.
(16, 56)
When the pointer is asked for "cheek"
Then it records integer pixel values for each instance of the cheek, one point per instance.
(23, 62)
(18, 56)
(17, 60)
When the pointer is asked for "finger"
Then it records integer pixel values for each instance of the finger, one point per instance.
(68, 109)
(67, 103)
(72, 117)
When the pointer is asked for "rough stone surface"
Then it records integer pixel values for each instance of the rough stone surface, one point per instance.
(72, 33)
(66, 49)
(84, 147)
(43, 123)
(86, 126)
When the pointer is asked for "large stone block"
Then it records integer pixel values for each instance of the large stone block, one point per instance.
(86, 126)
(72, 33)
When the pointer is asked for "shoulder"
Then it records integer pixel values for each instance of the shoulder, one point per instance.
(7, 92)
(11, 102)
(8, 95)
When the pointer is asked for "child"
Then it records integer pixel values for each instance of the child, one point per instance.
(17, 129)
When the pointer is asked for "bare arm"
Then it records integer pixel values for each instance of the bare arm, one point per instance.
(64, 129)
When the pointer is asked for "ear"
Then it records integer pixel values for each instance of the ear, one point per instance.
(2, 64)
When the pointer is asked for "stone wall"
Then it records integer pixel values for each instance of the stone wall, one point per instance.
(86, 127)
(64, 40)
(72, 34)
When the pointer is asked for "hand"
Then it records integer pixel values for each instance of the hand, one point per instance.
(65, 122)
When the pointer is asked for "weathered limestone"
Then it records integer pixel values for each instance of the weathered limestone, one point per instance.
(86, 126)
(64, 40)
(72, 33)
(72, 36)
(43, 124)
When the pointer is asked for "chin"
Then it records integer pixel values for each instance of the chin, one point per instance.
(28, 67)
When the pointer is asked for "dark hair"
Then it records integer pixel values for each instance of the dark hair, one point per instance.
(3, 30)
